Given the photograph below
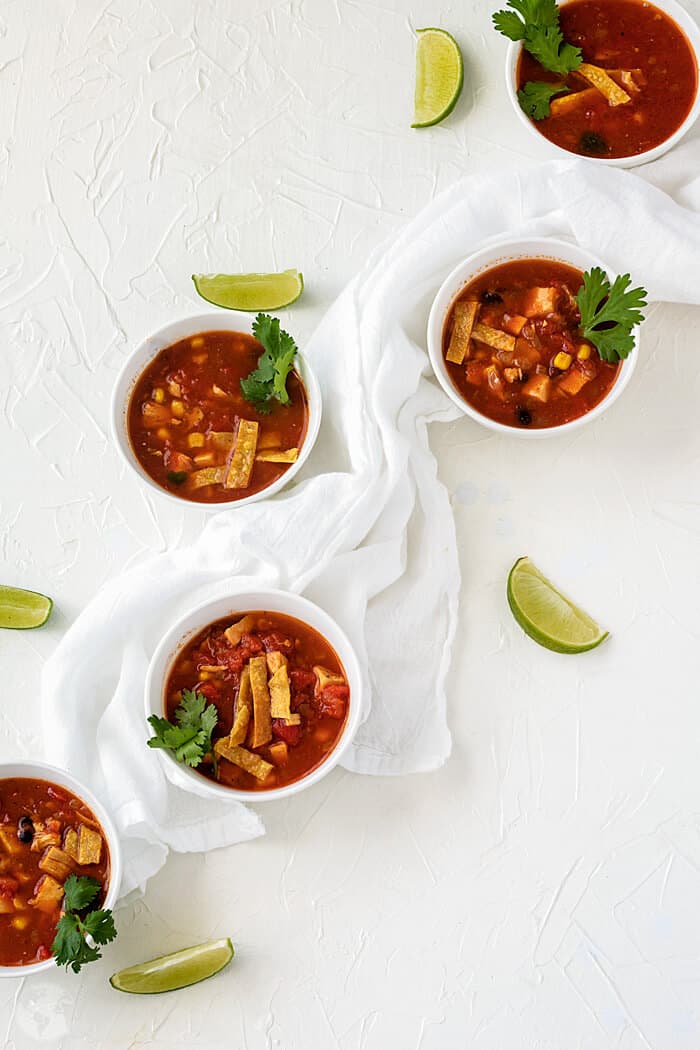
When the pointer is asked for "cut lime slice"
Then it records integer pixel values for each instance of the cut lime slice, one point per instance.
(21, 610)
(546, 615)
(250, 291)
(178, 970)
(439, 77)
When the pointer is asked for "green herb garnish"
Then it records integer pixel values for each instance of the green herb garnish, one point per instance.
(609, 312)
(177, 477)
(71, 946)
(268, 382)
(190, 739)
(535, 97)
(536, 23)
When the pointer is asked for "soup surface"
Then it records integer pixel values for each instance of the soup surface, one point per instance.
(647, 56)
(195, 434)
(46, 834)
(280, 691)
(514, 350)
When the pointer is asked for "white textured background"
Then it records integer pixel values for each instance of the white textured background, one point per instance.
(542, 891)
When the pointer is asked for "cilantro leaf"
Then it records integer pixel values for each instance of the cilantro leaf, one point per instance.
(79, 892)
(268, 382)
(189, 740)
(610, 312)
(100, 926)
(68, 940)
(535, 96)
(536, 23)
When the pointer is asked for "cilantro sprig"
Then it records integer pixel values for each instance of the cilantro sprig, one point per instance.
(609, 312)
(535, 97)
(268, 382)
(189, 740)
(81, 929)
(536, 23)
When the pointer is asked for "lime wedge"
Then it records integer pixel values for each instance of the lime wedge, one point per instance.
(439, 76)
(546, 615)
(20, 610)
(178, 970)
(250, 291)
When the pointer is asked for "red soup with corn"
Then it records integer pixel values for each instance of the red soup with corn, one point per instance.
(46, 835)
(196, 435)
(280, 692)
(636, 85)
(514, 350)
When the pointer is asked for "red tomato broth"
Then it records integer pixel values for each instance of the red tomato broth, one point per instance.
(185, 374)
(614, 35)
(27, 930)
(323, 715)
(541, 339)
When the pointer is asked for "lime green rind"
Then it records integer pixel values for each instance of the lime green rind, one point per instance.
(556, 645)
(22, 610)
(250, 292)
(168, 973)
(435, 117)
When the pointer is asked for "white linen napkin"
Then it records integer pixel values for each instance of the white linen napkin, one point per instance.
(368, 533)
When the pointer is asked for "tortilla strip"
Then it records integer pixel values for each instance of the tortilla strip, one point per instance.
(465, 316)
(235, 632)
(325, 677)
(243, 458)
(89, 845)
(222, 438)
(493, 337)
(279, 753)
(275, 660)
(280, 695)
(239, 727)
(245, 694)
(598, 77)
(262, 719)
(208, 476)
(244, 759)
(212, 668)
(559, 107)
(278, 456)
(632, 80)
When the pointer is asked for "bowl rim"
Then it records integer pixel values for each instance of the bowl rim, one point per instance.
(690, 29)
(486, 258)
(151, 345)
(39, 770)
(238, 602)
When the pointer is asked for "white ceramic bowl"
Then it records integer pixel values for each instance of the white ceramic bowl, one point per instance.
(43, 771)
(681, 17)
(526, 248)
(195, 621)
(222, 320)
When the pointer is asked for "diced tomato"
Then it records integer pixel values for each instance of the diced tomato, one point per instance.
(8, 887)
(290, 734)
(250, 645)
(277, 642)
(332, 701)
(210, 689)
(302, 684)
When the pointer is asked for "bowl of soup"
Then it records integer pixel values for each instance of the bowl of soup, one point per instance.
(505, 341)
(636, 93)
(51, 827)
(182, 422)
(284, 684)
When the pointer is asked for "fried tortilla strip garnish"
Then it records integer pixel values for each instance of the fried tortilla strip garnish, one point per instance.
(279, 753)
(324, 677)
(240, 726)
(275, 660)
(245, 693)
(262, 719)
(222, 439)
(493, 337)
(235, 632)
(207, 476)
(243, 458)
(632, 80)
(598, 77)
(464, 317)
(70, 843)
(48, 894)
(559, 107)
(244, 759)
(89, 845)
(280, 695)
(57, 863)
(278, 456)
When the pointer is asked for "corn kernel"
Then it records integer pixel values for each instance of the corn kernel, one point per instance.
(159, 395)
(174, 389)
(197, 342)
(20, 922)
(163, 433)
(204, 676)
(562, 361)
(195, 440)
(205, 459)
(177, 408)
(199, 359)
(584, 352)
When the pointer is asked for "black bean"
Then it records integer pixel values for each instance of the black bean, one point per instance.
(524, 416)
(25, 829)
(593, 143)
(489, 298)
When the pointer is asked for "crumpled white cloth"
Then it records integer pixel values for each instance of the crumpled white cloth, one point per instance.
(368, 533)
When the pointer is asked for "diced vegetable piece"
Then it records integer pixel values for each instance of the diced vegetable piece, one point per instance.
(179, 461)
(271, 456)
(494, 381)
(540, 301)
(235, 632)
(279, 753)
(514, 324)
(573, 382)
(493, 337)
(222, 438)
(45, 835)
(560, 107)
(177, 408)
(324, 678)
(174, 389)
(474, 372)
(464, 317)
(217, 391)
(153, 415)
(163, 433)
(538, 387)
(600, 80)
(207, 476)
(513, 375)
(244, 759)
(159, 395)
(197, 341)
(194, 416)
(70, 843)
(204, 459)
(89, 845)
(9, 843)
(48, 894)
(262, 718)
(584, 352)
(243, 458)
(562, 360)
(280, 695)
(57, 863)
(195, 440)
